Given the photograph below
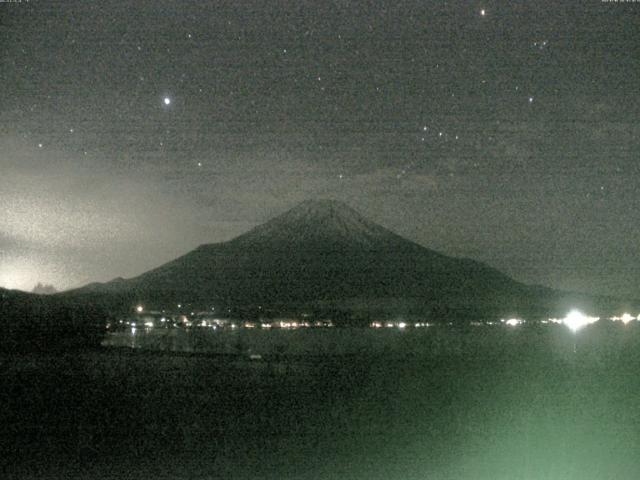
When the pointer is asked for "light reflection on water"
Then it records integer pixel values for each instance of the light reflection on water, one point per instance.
(336, 341)
(256, 341)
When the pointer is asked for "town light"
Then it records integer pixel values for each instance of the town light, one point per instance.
(513, 322)
(575, 320)
(139, 309)
(625, 318)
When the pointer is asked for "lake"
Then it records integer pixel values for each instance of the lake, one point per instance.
(438, 403)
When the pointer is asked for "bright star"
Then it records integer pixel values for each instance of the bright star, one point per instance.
(167, 101)
(483, 12)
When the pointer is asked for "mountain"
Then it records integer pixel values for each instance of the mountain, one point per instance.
(322, 255)
(43, 289)
(32, 322)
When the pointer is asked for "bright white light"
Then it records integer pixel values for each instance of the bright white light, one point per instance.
(167, 101)
(483, 12)
(402, 325)
(575, 320)
(513, 322)
(148, 324)
(139, 309)
(625, 318)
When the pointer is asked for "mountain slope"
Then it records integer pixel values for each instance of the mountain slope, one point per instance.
(32, 322)
(319, 251)
(326, 253)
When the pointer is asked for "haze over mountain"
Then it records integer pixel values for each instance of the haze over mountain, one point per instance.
(44, 289)
(323, 255)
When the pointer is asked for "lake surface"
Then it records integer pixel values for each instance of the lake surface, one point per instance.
(434, 340)
(441, 403)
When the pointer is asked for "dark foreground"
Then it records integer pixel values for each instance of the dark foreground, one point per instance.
(484, 403)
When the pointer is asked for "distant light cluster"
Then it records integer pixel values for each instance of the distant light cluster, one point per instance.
(574, 320)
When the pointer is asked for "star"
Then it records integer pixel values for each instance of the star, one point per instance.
(167, 101)
(39, 145)
(530, 99)
(483, 12)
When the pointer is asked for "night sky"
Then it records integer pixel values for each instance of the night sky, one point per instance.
(131, 132)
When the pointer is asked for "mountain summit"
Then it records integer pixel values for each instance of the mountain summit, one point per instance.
(319, 222)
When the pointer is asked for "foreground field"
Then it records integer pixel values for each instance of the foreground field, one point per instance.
(483, 403)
